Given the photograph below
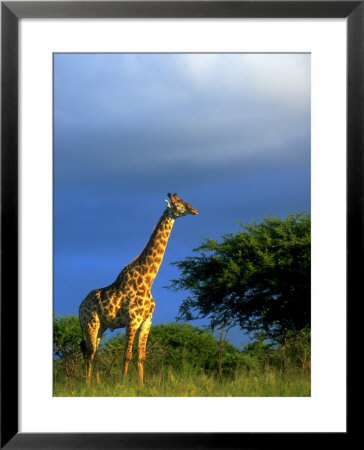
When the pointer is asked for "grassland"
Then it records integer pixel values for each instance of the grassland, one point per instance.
(190, 382)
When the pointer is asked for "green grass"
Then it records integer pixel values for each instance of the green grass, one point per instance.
(190, 382)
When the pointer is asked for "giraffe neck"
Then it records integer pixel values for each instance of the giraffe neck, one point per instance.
(150, 259)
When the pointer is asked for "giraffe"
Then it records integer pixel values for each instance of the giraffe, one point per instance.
(128, 301)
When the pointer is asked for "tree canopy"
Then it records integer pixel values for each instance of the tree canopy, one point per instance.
(257, 278)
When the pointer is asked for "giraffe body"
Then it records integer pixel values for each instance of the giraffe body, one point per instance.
(128, 301)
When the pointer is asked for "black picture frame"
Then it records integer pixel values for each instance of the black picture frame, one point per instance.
(11, 12)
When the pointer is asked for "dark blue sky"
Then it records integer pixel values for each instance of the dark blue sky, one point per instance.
(230, 133)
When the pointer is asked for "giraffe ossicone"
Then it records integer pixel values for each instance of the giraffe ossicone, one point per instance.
(128, 301)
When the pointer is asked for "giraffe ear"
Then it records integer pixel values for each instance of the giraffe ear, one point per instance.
(168, 204)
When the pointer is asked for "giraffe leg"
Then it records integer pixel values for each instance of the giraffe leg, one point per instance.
(98, 340)
(91, 346)
(142, 344)
(89, 368)
(90, 355)
(97, 372)
(130, 335)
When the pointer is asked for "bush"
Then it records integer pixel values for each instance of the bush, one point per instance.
(67, 336)
(178, 347)
(184, 345)
(296, 350)
(293, 353)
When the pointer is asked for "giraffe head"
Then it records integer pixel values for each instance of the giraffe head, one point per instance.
(178, 207)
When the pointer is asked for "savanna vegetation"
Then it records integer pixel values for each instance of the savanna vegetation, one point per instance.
(257, 279)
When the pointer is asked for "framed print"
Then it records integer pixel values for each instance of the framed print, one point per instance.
(252, 112)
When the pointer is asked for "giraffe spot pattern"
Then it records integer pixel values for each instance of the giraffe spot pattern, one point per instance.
(128, 301)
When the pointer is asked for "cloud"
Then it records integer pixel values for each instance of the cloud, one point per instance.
(282, 78)
(138, 110)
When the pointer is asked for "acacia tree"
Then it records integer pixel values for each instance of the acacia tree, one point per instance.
(257, 278)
